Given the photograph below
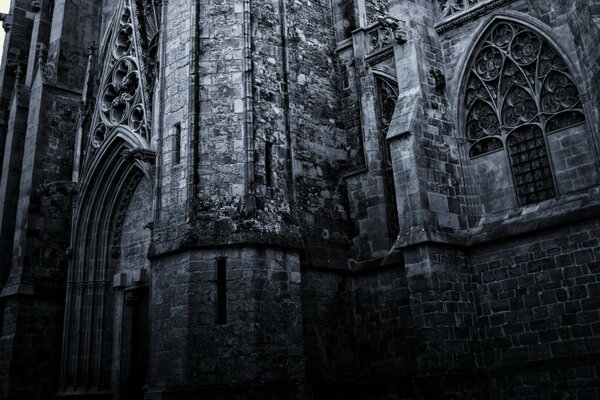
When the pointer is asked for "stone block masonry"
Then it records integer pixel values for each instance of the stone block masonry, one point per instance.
(300, 199)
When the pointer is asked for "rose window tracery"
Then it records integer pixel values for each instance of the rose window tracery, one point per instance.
(518, 90)
(121, 94)
(127, 82)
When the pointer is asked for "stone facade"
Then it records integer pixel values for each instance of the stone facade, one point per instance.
(285, 199)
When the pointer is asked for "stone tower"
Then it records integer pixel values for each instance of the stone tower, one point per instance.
(300, 199)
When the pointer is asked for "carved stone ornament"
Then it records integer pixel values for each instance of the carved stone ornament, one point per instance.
(450, 7)
(124, 97)
(131, 297)
(518, 90)
(36, 6)
(458, 12)
(48, 70)
(6, 21)
(438, 79)
(59, 187)
(144, 155)
(388, 31)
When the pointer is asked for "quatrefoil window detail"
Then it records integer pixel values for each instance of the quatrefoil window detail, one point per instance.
(121, 98)
(518, 90)
(121, 93)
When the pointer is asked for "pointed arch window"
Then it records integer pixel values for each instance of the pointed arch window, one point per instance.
(388, 96)
(519, 89)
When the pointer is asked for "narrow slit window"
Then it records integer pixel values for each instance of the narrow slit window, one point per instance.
(177, 144)
(269, 164)
(221, 291)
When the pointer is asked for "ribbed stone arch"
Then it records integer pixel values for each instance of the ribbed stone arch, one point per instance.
(517, 89)
(107, 186)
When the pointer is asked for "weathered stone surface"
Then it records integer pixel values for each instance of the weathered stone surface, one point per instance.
(300, 199)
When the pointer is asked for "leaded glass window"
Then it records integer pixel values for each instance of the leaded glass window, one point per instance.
(519, 89)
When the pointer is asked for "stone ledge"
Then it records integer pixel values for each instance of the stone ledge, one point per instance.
(465, 16)
(568, 209)
(555, 363)
(292, 390)
(549, 214)
(222, 235)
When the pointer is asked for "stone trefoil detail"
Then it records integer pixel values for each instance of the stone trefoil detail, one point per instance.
(120, 97)
(124, 97)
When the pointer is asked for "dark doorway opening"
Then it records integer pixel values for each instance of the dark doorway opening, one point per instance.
(134, 351)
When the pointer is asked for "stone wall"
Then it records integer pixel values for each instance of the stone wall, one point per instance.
(329, 329)
(538, 300)
(259, 351)
(273, 269)
(319, 144)
(375, 9)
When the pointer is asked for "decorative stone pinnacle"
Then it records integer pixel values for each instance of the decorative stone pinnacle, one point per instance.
(6, 21)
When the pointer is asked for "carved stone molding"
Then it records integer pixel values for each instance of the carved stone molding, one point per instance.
(458, 12)
(6, 21)
(59, 187)
(48, 70)
(148, 156)
(125, 93)
(121, 211)
(379, 56)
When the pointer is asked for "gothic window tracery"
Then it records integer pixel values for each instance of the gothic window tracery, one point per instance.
(388, 96)
(518, 90)
(127, 82)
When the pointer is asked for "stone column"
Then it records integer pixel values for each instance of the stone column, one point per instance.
(429, 197)
(33, 294)
(225, 313)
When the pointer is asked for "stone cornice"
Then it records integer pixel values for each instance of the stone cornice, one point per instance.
(467, 15)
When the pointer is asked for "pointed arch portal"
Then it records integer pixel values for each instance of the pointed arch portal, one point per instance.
(104, 327)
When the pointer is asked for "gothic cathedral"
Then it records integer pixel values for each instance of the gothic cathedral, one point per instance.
(300, 200)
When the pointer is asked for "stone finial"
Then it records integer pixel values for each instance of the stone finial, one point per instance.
(36, 6)
(6, 21)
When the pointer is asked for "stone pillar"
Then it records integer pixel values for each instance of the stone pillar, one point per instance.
(225, 315)
(18, 27)
(34, 291)
(427, 175)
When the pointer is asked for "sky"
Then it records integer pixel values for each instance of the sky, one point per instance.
(4, 6)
